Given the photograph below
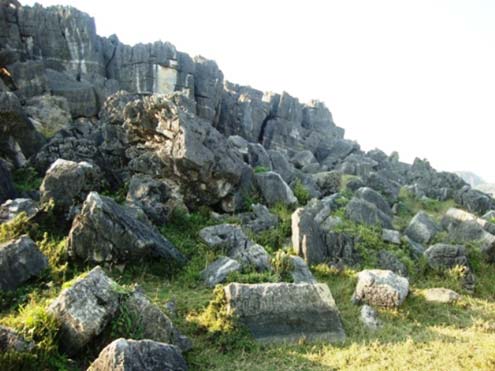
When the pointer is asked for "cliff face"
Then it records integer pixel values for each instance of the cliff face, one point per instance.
(55, 52)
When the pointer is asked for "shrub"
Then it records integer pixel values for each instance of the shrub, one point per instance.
(283, 265)
(301, 193)
(26, 179)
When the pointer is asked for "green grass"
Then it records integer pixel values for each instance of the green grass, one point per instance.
(301, 193)
(26, 179)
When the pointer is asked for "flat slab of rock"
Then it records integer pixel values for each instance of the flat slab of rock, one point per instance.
(85, 309)
(219, 270)
(20, 260)
(132, 355)
(381, 288)
(441, 295)
(280, 312)
(105, 231)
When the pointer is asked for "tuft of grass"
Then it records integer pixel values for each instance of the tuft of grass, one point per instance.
(275, 238)
(26, 179)
(301, 192)
(261, 169)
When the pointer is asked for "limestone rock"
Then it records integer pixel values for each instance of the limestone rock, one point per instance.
(218, 271)
(85, 309)
(474, 201)
(48, 113)
(375, 198)
(391, 236)
(444, 256)
(10, 341)
(300, 272)
(107, 232)
(362, 211)
(422, 228)
(132, 355)
(388, 261)
(260, 219)
(20, 260)
(278, 312)
(381, 288)
(441, 295)
(274, 189)
(11, 208)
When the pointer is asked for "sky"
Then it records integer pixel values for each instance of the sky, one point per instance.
(415, 76)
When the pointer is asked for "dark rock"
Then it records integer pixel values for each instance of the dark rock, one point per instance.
(20, 260)
(388, 261)
(107, 232)
(7, 189)
(361, 211)
(328, 182)
(416, 249)
(383, 184)
(274, 189)
(303, 158)
(279, 312)
(282, 166)
(474, 201)
(132, 355)
(444, 256)
(260, 219)
(10, 341)
(218, 271)
(29, 78)
(375, 198)
(422, 228)
(258, 157)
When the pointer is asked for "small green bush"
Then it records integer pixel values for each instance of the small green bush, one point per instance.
(261, 169)
(301, 193)
(283, 265)
(26, 179)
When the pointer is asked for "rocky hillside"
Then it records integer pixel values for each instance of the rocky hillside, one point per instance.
(156, 216)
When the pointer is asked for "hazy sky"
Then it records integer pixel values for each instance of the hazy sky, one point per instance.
(415, 76)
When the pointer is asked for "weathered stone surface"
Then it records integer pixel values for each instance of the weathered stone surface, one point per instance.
(369, 317)
(133, 355)
(232, 240)
(274, 189)
(422, 228)
(107, 232)
(11, 208)
(474, 201)
(20, 260)
(29, 78)
(388, 261)
(10, 341)
(453, 217)
(415, 248)
(259, 219)
(279, 312)
(258, 157)
(328, 182)
(381, 288)
(218, 271)
(151, 195)
(7, 189)
(441, 295)
(68, 183)
(391, 236)
(48, 113)
(282, 166)
(85, 309)
(375, 198)
(362, 211)
(300, 271)
(303, 158)
(444, 256)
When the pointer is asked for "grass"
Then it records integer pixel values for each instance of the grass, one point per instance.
(26, 179)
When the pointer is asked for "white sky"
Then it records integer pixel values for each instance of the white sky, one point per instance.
(416, 76)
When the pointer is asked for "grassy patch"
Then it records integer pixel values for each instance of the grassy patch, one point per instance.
(301, 192)
(26, 179)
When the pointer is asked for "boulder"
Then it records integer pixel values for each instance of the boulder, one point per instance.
(364, 212)
(369, 317)
(7, 189)
(68, 184)
(231, 239)
(415, 248)
(328, 182)
(282, 166)
(218, 271)
(381, 288)
(85, 309)
(303, 158)
(474, 201)
(454, 217)
(153, 196)
(258, 157)
(11, 208)
(300, 272)
(20, 260)
(422, 228)
(105, 231)
(375, 198)
(443, 256)
(388, 261)
(279, 312)
(441, 295)
(10, 341)
(139, 355)
(259, 219)
(48, 113)
(391, 236)
(274, 189)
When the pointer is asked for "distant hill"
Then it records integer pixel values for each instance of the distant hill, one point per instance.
(477, 182)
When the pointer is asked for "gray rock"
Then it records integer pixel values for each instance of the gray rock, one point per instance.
(303, 158)
(444, 256)
(68, 184)
(474, 201)
(11, 208)
(388, 261)
(422, 228)
(375, 198)
(260, 219)
(369, 317)
(20, 260)
(364, 212)
(133, 355)
(241, 144)
(279, 312)
(231, 239)
(29, 78)
(218, 271)
(107, 232)
(300, 272)
(381, 288)
(441, 295)
(282, 166)
(48, 113)
(258, 157)
(274, 189)
(383, 184)
(415, 248)
(454, 217)
(10, 341)
(391, 236)
(85, 309)
(7, 189)
(152, 196)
